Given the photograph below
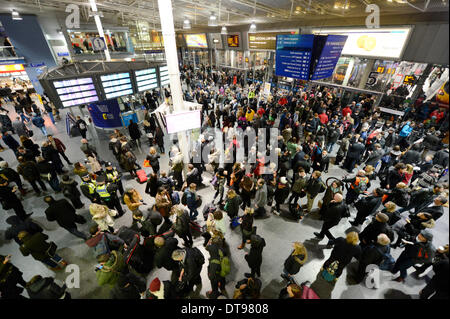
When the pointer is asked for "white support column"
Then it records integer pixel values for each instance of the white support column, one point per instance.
(170, 48)
(98, 23)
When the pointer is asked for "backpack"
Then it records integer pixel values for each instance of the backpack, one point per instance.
(28, 171)
(386, 159)
(198, 256)
(175, 198)
(184, 199)
(329, 273)
(424, 255)
(361, 184)
(388, 262)
(224, 263)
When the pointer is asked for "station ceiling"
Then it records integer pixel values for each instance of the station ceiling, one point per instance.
(232, 12)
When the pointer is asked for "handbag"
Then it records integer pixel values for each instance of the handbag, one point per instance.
(51, 251)
(146, 163)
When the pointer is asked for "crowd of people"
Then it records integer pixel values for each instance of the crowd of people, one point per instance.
(395, 165)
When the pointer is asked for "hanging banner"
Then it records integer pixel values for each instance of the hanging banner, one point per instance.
(329, 57)
(105, 114)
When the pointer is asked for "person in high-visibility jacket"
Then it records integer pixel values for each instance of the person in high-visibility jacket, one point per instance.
(113, 176)
(358, 185)
(87, 187)
(108, 195)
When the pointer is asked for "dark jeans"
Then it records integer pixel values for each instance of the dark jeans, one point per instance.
(54, 184)
(294, 196)
(18, 209)
(349, 163)
(351, 197)
(193, 213)
(187, 238)
(41, 183)
(402, 264)
(83, 133)
(114, 203)
(326, 230)
(65, 157)
(76, 202)
(178, 176)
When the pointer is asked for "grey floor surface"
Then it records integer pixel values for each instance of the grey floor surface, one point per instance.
(279, 234)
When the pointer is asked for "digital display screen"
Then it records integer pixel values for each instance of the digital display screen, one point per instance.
(115, 85)
(233, 41)
(383, 42)
(146, 79)
(76, 91)
(164, 75)
(196, 40)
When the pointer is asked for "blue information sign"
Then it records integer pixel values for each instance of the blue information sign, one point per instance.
(105, 114)
(329, 57)
(293, 55)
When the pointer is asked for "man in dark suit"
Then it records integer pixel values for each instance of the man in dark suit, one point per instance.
(354, 153)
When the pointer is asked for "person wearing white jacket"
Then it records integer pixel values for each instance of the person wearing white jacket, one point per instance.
(103, 216)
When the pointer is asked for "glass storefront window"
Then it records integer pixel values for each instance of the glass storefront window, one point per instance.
(82, 41)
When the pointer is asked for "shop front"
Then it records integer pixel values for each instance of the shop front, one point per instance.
(14, 76)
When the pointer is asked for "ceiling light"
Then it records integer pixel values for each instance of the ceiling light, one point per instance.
(15, 15)
(186, 24)
(212, 22)
(252, 27)
(224, 30)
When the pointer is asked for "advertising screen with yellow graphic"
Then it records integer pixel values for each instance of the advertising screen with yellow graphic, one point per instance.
(196, 40)
(382, 43)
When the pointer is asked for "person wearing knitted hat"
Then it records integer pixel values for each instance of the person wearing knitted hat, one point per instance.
(378, 226)
(420, 251)
(161, 290)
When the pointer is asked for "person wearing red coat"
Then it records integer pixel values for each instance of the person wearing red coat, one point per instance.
(59, 146)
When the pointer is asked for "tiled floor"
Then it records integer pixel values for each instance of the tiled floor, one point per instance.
(279, 233)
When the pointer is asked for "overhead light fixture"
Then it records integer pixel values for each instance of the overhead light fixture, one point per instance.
(212, 22)
(224, 30)
(186, 24)
(15, 15)
(252, 27)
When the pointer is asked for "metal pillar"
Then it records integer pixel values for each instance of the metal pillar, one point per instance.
(98, 23)
(365, 76)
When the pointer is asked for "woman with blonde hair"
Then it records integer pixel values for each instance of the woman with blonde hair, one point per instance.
(153, 157)
(295, 261)
(103, 216)
(345, 249)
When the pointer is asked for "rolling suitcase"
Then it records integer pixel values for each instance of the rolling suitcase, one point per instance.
(141, 176)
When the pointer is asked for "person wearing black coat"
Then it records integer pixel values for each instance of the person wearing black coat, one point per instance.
(412, 156)
(441, 157)
(65, 215)
(304, 163)
(163, 254)
(378, 226)
(354, 154)
(214, 269)
(190, 263)
(295, 261)
(436, 210)
(135, 133)
(11, 175)
(254, 257)
(437, 288)
(46, 288)
(375, 156)
(151, 187)
(70, 190)
(128, 286)
(367, 206)
(51, 154)
(372, 255)
(18, 225)
(335, 211)
(343, 252)
(395, 176)
(10, 278)
(9, 199)
(48, 174)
